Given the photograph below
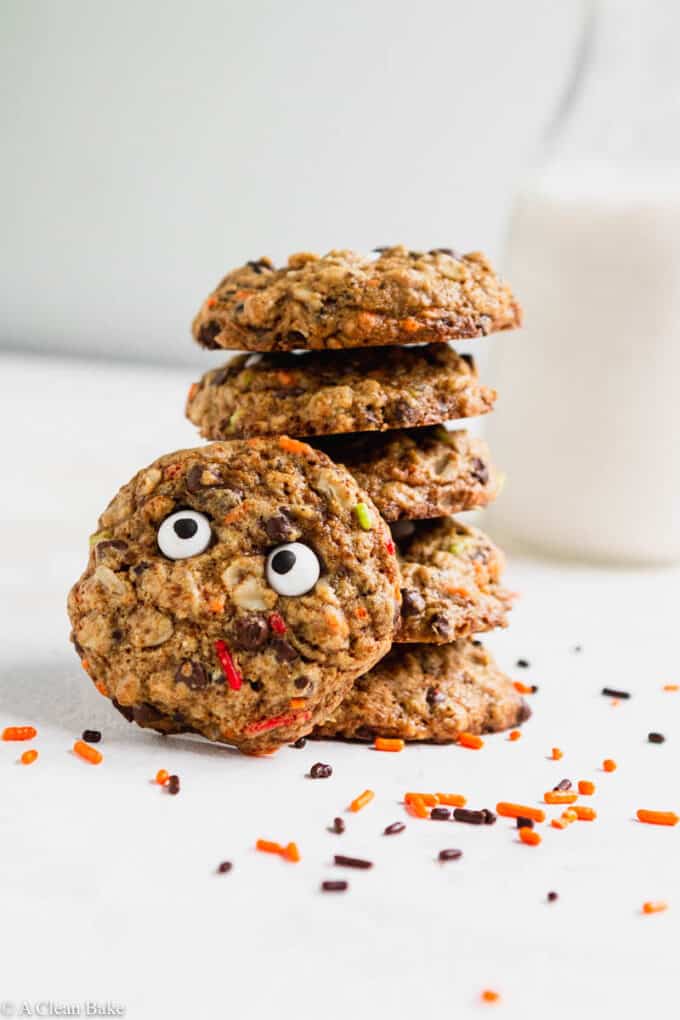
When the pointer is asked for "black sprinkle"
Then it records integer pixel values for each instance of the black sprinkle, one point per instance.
(338, 825)
(525, 823)
(440, 814)
(320, 771)
(351, 862)
(655, 738)
(450, 855)
(462, 814)
(523, 663)
(300, 742)
(552, 896)
(394, 828)
(489, 817)
(340, 886)
(172, 785)
(91, 736)
(224, 867)
(611, 692)
(564, 784)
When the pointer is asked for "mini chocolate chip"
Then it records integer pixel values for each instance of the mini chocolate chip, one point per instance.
(441, 625)
(524, 823)
(116, 634)
(279, 528)
(412, 602)
(320, 771)
(450, 855)
(207, 333)
(655, 738)
(524, 712)
(440, 814)
(480, 471)
(256, 685)
(147, 715)
(91, 736)
(224, 867)
(552, 896)
(192, 674)
(301, 682)
(250, 632)
(140, 568)
(283, 650)
(523, 663)
(434, 696)
(299, 743)
(220, 376)
(257, 267)
(172, 785)
(338, 825)
(394, 829)
(294, 336)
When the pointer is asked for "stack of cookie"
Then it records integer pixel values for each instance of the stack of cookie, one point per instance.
(350, 354)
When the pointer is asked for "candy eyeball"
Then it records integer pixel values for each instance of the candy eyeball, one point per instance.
(183, 534)
(292, 569)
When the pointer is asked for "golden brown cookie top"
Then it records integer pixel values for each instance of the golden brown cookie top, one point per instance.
(237, 589)
(345, 299)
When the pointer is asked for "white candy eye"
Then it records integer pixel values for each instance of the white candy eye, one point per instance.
(292, 569)
(184, 533)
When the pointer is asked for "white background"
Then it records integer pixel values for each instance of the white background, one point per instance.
(148, 147)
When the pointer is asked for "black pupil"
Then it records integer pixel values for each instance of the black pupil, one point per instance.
(283, 561)
(185, 527)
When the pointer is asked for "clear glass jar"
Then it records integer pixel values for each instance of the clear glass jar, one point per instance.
(588, 418)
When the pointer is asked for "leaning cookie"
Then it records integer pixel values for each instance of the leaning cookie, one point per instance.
(428, 692)
(414, 474)
(327, 392)
(344, 299)
(236, 590)
(450, 575)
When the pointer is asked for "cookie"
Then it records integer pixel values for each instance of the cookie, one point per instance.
(344, 299)
(236, 590)
(450, 576)
(325, 392)
(418, 473)
(428, 692)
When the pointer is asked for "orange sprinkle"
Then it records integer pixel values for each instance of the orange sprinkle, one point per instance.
(193, 390)
(570, 815)
(509, 810)
(514, 735)
(285, 378)
(28, 757)
(19, 733)
(654, 907)
(102, 690)
(88, 753)
(268, 847)
(609, 765)
(530, 837)
(426, 798)
(556, 754)
(585, 814)
(417, 807)
(362, 800)
(452, 799)
(240, 294)
(488, 995)
(671, 687)
(657, 817)
(586, 787)
(470, 740)
(373, 282)
(211, 302)
(389, 744)
(559, 823)
(522, 688)
(410, 325)
(296, 703)
(291, 853)
(559, 797)
(361, 613)
(294, 445)
(367, 321)
(216, 604)
(162, 777)
(85, 664)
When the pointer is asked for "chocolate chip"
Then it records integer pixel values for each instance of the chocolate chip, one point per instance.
(91, 736)
(224, 867)
(147, 715)
(524, 823)
(301, 682)
(111, 550)
(299, 743)
(480, 471)
(441, 625)
(256, 685)
(220, 376)
(192, 674)
(250, 632)
(195, 478)
(434, 697)
(524, 712)
(125, 710)
(140, 568)
(295, 337)
(655, 738)
(338, 825)
(440, 814)
(469, 360)
(172, 785)
(279, 528)
(283, 650)
(320, 771)
(259, 266)
(489, 816)
(412, 602)
(207, 333)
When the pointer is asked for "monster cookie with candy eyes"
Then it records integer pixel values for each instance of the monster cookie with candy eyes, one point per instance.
(236, 591)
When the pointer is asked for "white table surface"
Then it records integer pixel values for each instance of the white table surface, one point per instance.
(108, 890)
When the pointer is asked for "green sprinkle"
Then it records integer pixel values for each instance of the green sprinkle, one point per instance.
(456, 548)
(99, 536)
(363, 516)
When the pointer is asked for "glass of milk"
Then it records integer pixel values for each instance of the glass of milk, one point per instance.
(588, 421)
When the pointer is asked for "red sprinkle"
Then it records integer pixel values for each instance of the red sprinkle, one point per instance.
(390, 548)
(276, 721)
(233, 677)
(276, 623)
